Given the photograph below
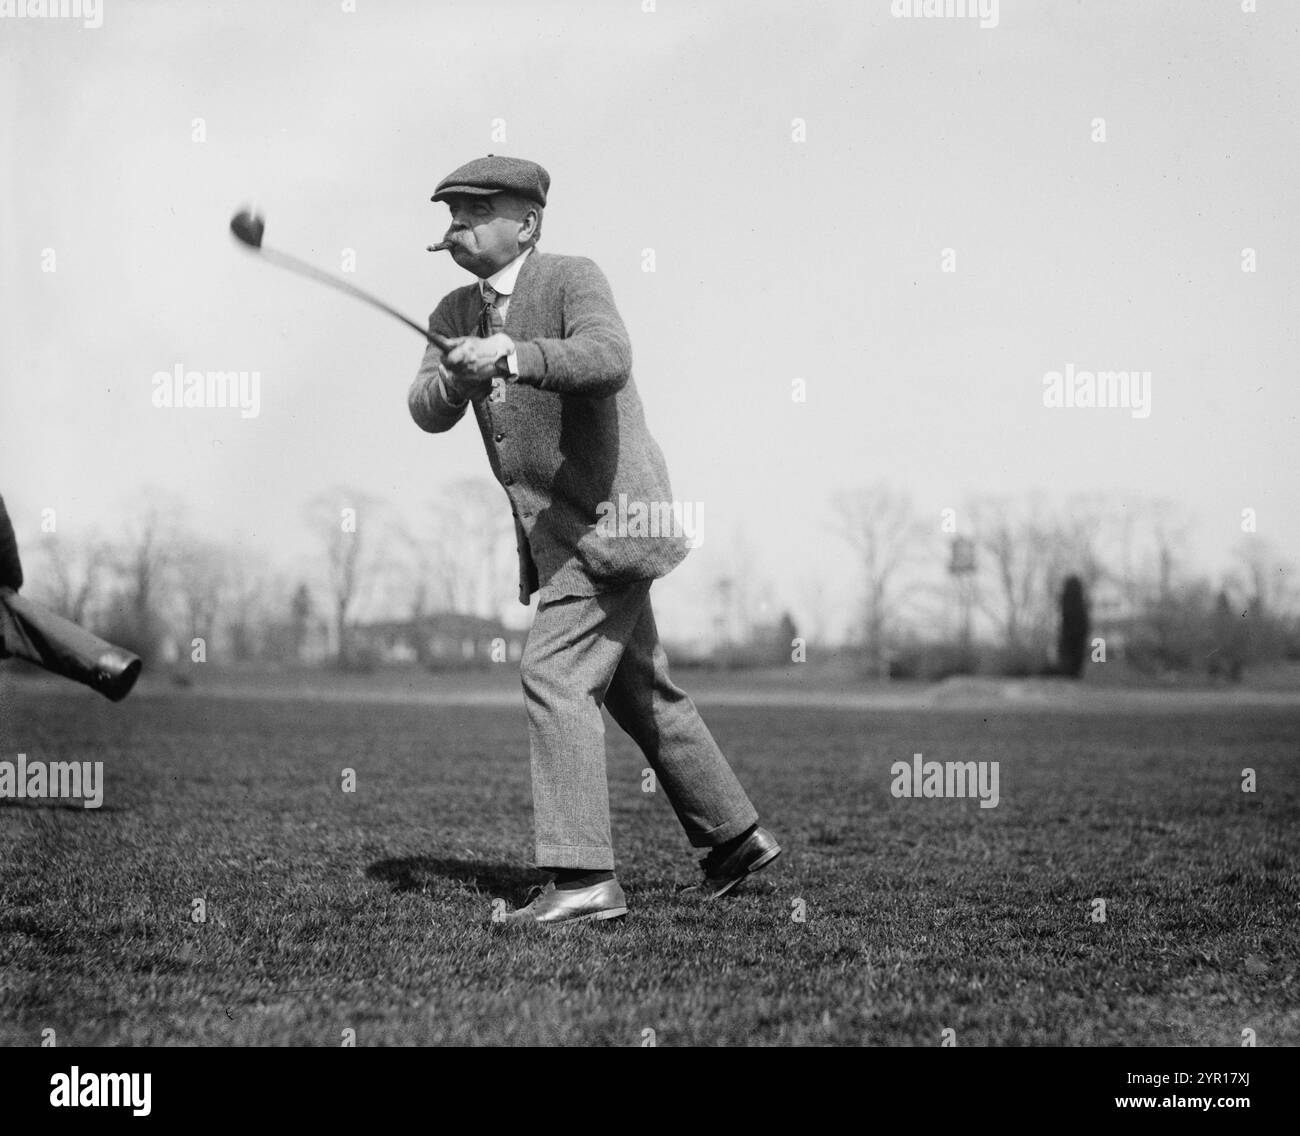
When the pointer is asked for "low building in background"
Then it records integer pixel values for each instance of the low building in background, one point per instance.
(438, 641)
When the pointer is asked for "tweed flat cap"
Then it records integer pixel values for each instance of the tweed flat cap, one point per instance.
(495, 174)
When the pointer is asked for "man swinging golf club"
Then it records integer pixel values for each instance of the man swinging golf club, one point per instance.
(539, 351)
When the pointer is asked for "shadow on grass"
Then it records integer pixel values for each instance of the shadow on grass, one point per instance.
(414, 873)
(50, 803)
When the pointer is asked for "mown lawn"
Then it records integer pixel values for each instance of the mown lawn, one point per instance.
(370, 911)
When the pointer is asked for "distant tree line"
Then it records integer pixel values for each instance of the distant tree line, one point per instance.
(166, 592)
(1054, 589)
(1050, 589)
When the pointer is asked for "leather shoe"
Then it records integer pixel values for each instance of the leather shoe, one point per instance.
(722, 873)
(604, 900)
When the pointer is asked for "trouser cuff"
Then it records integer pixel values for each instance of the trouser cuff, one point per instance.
(726, 831)
(593, 857)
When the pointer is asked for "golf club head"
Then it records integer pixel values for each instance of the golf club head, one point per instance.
(248, 227)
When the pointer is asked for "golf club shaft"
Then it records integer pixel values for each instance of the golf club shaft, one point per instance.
(293, 264)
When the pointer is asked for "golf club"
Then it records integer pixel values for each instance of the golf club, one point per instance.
(248, 229)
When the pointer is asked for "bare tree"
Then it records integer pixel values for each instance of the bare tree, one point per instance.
(201, 570)
(350, 525)
(878, 523)
(248, 604)
(1140, 545)
(464, 555)
(1082, 529)
(74, 574)
(141, 560)
(733, 592)
(1264, 577)
(814, 611)
(1017, 540)
(1170, 527)
(1266, 582)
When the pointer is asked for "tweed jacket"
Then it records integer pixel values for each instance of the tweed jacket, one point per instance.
(568, 440)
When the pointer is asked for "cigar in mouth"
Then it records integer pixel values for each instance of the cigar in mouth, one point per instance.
(441, 246)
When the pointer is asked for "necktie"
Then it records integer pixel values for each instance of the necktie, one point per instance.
(490, 321)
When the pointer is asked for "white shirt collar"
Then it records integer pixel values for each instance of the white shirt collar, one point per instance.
(504, 280)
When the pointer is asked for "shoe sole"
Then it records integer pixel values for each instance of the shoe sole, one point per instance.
(611, 913)
(757, 866)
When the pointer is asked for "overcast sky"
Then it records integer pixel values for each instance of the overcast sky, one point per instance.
(775, 259)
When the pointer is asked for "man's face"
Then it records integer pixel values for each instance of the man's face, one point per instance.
(487, 233)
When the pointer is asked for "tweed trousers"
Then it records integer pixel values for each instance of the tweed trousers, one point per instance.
(587, 651)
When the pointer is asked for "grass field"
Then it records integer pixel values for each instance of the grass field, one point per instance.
(370, 911)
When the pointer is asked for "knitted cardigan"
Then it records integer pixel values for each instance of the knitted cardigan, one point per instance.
(568, 441)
